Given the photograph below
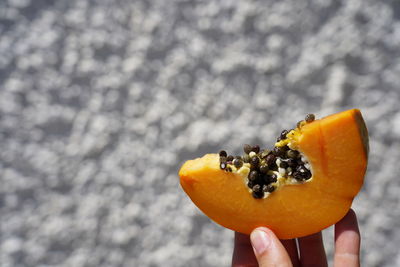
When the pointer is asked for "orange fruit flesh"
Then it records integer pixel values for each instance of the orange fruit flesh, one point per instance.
(337, 149)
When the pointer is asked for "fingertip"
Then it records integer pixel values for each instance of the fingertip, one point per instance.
(266, 230)
(347, 241)
(268, 248)
(351, 215)
(347, 223)
(260, 240)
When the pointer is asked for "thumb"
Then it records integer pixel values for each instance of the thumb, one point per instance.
(268, 249)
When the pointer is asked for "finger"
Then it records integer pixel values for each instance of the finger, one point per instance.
(312, 252)
(347, 241)
(291, 248)
(268, 249)
(243, 254)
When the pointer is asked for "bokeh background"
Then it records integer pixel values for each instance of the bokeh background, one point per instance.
(101, 102)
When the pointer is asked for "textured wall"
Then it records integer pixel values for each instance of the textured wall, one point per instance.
(101, 102)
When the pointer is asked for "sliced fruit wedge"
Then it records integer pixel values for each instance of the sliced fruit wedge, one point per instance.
(335, 151)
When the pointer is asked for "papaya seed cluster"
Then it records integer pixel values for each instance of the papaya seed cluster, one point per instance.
(269, 168)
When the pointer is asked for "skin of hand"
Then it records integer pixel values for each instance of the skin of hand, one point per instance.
(262, 248)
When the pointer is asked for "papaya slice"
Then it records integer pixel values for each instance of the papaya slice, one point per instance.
(333, 151)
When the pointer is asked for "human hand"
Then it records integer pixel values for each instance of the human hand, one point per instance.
(263, 248)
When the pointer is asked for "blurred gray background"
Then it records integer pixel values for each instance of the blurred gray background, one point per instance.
(102, 101)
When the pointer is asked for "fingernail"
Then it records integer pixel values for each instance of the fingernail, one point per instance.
(260, 241)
